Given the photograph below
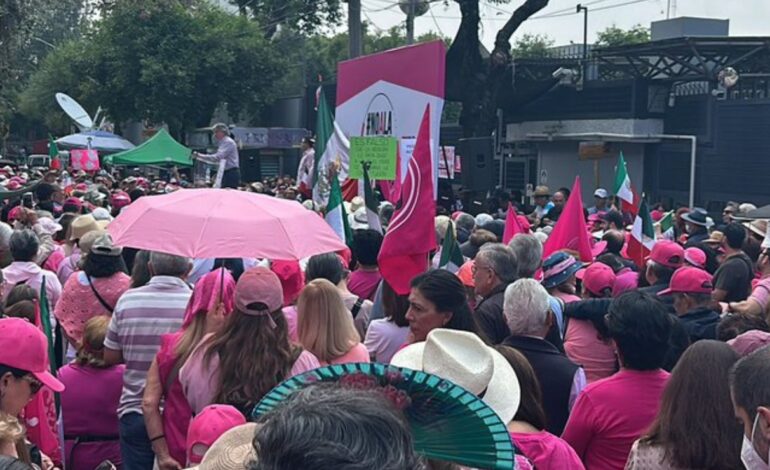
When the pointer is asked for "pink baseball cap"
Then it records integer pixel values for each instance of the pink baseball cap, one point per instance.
(207, 427)
(23, 346)
(73, 201)
(15, 213)
(120, 199)
(81, 187)
(13, 185)
(291, 277)
(748, 342)
(668, 253)
(597, 277)
(695, 257)
(689, 280)
(258, 286)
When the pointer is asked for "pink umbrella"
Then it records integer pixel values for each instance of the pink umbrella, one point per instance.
(223, 223)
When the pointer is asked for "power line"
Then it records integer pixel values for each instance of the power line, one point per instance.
(440, 31)
(554, 14)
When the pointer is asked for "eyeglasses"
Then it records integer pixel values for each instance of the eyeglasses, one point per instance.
(34, 384)
(475, 268)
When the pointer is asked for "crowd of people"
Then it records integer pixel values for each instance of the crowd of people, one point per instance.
(112, 357)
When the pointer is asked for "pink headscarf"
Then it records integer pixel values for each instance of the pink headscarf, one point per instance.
(208, 291)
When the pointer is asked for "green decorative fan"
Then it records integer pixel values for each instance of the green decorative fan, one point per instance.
(448, 423)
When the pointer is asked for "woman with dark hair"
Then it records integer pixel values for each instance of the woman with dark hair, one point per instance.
(93, 291)
(329, 266)
(610, 414)
(386, 335)
(583, 343)
(437, 300)
(527, 428)
(250, 355)
(696, 425)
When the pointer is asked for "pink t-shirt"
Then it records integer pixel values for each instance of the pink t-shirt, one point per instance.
(761, 293)
(611, 414)
(546, 451)
(290, 314)
(89, 409)
(357, 353)
(584, 347)
(364, 283)
(199, 379)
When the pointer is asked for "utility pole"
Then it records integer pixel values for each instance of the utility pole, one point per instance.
(410, 21)
(355, 36)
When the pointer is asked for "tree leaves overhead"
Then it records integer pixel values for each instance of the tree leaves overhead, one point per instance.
(168, 62)
(614, 36)
(304, 16)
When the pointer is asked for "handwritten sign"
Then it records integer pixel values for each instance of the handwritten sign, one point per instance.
(379, 152)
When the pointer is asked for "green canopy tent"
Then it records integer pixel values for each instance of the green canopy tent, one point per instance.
(161, 149)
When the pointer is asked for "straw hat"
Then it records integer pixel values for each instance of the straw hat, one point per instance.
(758, 227)
(461, 357)
(81, 226)
(232, 451)
(542, 191)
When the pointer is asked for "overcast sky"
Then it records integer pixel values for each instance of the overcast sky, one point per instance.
(750, 19)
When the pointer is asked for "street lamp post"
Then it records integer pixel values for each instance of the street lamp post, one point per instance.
(584, 9)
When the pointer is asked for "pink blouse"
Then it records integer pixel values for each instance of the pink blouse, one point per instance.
(357, 353)
(78, 303)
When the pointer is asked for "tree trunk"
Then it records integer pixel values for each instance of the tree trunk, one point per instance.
(476, 81)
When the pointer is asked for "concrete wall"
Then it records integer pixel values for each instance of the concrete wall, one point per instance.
(560, 162)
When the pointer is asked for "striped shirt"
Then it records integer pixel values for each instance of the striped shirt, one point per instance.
(141, 316)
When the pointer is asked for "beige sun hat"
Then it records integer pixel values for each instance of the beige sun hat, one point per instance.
(82, 225)
(461, 357)
(232, 451)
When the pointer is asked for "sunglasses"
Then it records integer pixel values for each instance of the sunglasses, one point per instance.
(34, 384)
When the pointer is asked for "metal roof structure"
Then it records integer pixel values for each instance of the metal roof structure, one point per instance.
(685, 59)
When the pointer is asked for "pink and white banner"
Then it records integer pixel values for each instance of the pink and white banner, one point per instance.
(385, 94)
(85, 159)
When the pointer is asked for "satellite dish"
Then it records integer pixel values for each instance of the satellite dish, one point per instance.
(727, 77)
(420, 6)
(76, 112)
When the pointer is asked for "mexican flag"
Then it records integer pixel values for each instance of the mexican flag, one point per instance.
(642, 236)
(370, 200)
(666, 225)
(451, 256)
(623, 188)
(332, 150)
(336, 216)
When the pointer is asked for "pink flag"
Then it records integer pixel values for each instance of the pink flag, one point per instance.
(411, 235)
(84, 159)
(512, 225)
(570, 232)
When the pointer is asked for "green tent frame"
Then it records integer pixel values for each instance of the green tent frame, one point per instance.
(160, 149)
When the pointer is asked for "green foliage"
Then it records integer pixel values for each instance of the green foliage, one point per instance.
(614, 36)
(302, 16)
(29, 30)
(532, 46)
(164, 62)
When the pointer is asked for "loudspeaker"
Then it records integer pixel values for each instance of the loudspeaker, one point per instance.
(478, 166)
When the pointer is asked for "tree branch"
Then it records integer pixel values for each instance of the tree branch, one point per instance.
(502, 53)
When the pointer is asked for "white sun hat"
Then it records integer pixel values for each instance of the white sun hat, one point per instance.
(461, 357)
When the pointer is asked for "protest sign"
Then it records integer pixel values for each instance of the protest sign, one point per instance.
(446, 162)
(379, 152)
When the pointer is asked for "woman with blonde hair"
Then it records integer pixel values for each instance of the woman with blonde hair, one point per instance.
(89, 401)
(325, 326)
